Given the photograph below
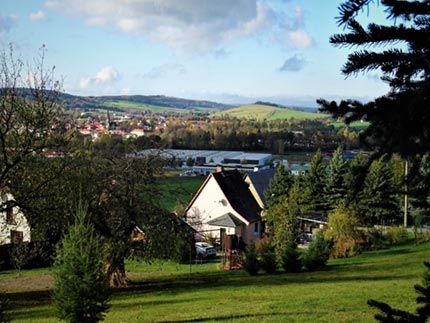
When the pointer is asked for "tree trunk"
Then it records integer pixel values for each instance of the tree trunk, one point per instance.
(116, 275)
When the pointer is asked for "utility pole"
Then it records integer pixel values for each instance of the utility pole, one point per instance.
(405, 215)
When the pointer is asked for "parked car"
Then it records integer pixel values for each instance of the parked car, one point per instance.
(205, 250)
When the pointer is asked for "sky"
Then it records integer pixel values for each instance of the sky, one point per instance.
(230, 51)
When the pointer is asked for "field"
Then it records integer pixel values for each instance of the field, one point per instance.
(261, 112)
(176, 190)
(165, 292)
(123, 104)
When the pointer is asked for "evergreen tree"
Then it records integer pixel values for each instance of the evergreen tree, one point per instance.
(420, 190)
(279, 185)
(276, 195)
(400, 120)
(80, 288)
(314, 183)
(335, 189)
(355, 177)
(378, 197)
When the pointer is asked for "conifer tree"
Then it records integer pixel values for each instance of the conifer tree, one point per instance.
(335, 189)
(80, 288)
(378, 197)
(420, 190)
(279, 185)
(314, 183)
(400, 50)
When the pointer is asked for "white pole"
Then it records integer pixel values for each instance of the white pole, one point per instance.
(405, 215)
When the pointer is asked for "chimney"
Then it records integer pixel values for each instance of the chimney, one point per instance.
(219, 169)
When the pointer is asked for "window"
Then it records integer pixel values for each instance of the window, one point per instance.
(10, 219)
(256, 227)
(16, 236)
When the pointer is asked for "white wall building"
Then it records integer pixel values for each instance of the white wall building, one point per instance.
(14, 226)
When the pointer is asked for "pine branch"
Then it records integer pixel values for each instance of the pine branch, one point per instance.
(349, 9)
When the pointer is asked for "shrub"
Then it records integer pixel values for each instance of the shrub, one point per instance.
(342, 231)
(375, 239)
(267, 256)
(396, 234)
(4, 306)
(250, 261)
(291, 261)
(317, 254)
(80, 284)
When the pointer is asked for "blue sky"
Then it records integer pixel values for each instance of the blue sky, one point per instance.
(232, 51)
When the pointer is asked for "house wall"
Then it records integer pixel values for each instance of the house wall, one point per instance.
(210, 204)
(20, 222)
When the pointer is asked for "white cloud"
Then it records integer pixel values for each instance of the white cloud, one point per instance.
(186, 25)
(300, 38)
(106, 75)
(292, 32)
(39, 15)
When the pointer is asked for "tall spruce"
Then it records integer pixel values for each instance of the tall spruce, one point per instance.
(335, 189)
(275, 194)
(420, 191)
(80, 290)
(378, 196)
(314, 183)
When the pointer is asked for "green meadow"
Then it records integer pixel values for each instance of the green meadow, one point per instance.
(261, 112)
(200, 292)
(124, 104)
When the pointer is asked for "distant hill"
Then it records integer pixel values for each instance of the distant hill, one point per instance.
(158, 103)
(269, 112)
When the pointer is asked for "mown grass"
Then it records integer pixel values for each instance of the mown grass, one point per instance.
(166, 292)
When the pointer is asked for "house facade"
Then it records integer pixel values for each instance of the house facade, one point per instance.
(225, 205)
(14, 226)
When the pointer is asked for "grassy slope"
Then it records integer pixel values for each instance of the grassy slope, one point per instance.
(260, 112)
(178, 190)
(123, 104)
(164, 292)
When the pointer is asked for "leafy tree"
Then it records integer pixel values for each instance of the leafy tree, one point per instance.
(378, 199)
(28, 113)
(80, 290)
(399, 121)
(315, 181)
(389, 314)
(342, 231)
(335, 189)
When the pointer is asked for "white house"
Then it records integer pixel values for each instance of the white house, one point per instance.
(224, 203)
(14, 226)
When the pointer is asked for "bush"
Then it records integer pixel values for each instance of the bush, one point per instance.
(267, 256)
(317, 254)
(342, 231)
(4, 306)
(250, 261)
(375, 239)
(396, 234)
(80, 290)
(291, 261)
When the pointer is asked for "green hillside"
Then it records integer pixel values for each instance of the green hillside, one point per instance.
(259, 112)
(124, 104)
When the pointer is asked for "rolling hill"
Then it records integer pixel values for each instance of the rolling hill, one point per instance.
(269, 112)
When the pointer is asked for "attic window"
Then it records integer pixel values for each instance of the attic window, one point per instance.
(16, 236)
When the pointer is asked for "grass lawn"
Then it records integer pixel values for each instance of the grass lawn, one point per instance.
(166, 292)
(176, 190)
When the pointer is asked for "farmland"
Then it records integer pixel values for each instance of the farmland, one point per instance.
(167, 292)
(260, 112)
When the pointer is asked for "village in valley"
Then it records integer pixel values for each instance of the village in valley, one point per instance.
(219, 199)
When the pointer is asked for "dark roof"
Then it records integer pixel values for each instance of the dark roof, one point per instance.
(226, 220)
(261, 181)
(238, 194)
